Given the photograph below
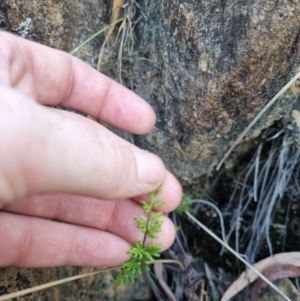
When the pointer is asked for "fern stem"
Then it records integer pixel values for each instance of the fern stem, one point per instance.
(148, 221)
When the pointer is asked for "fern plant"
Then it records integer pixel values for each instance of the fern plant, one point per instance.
(142, 254)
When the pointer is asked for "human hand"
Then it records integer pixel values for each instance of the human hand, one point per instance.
(69, 188)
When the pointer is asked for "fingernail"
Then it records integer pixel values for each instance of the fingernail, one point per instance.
(150, 168)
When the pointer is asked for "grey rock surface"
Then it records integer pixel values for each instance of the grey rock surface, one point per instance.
(211, 67)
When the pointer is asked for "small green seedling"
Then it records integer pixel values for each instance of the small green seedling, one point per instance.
(185, 204)
(142, 254)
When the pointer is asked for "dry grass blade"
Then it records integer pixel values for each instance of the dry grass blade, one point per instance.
(266, 184)
(158, 270)
(94, 36)
(115, 13)
(249, 276)
(68, 279)
(50, 284)
(169, 261)
(238, 256)
(253, 122)
(179, 280)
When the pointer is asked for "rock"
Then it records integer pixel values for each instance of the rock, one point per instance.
(12, 280)
(210, 67)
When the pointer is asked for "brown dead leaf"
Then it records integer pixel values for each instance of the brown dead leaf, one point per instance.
(274, 273)
(249, 276)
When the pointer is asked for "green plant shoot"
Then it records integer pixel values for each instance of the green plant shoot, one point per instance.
(142, 254)
(185, 204)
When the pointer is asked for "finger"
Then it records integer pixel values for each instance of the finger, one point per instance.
(116, 217)
(88, 211)
(34, 242)
(52, 151)
(55, 78)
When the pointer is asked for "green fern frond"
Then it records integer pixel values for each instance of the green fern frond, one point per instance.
(142, 224)
(142, 255)
(147, 207)
(158, 203)
(155, 193)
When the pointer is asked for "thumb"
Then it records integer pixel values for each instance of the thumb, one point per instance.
(45, 150)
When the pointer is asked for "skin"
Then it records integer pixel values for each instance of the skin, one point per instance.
(69, 188)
